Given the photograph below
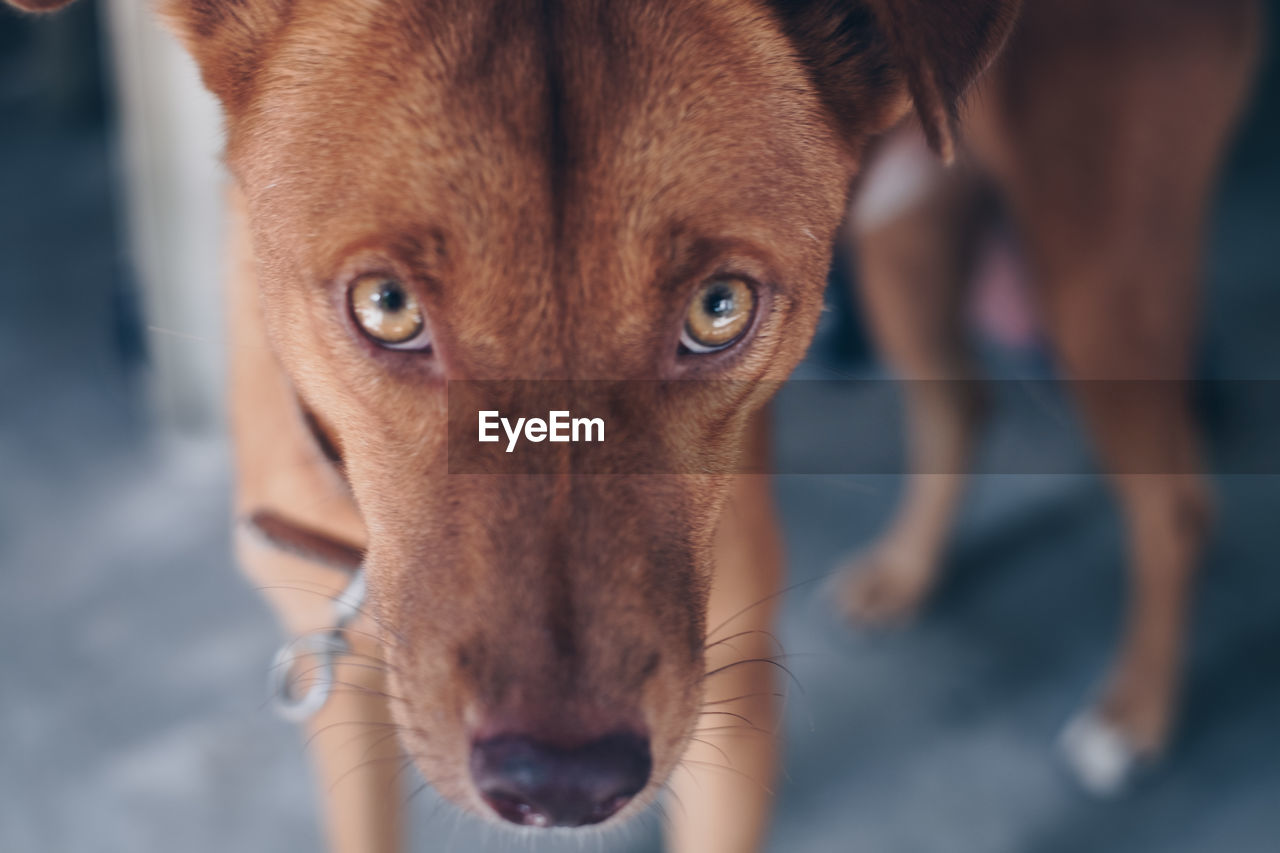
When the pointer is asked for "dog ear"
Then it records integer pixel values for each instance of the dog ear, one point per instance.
(866, 55)
(226, 38)
(37, 5)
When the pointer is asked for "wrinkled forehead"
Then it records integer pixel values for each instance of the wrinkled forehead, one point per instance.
(538, 117)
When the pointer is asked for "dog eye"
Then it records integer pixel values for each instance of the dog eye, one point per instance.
(718, 315)
(389, 313)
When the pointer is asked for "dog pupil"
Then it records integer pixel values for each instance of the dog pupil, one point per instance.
(390, 297)
(719, 301)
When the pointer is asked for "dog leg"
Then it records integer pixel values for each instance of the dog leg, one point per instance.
(1146, 436)
(724, 785)
(1113, 220)
(913, 225)
(357, 759)
(1167, 517)
(351, 740)
(279, 466)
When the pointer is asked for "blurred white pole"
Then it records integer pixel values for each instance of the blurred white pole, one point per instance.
(171, 138)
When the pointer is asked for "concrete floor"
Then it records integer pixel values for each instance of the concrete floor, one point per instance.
(133, 655)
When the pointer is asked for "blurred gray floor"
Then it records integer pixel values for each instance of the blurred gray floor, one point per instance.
(132, 655)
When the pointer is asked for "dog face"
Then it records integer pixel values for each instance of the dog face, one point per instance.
(553, 191)
(445, 191)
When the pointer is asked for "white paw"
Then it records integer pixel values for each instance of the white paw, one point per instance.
(1099, 755)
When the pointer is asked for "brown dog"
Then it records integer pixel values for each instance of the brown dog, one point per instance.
(439, 191)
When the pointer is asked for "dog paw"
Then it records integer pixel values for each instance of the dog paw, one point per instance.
(882, 588)
(1102, 758)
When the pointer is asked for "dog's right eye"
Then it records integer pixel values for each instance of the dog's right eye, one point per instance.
(389, 313)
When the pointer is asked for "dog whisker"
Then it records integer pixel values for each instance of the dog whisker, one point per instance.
(776, 694)
(680, 765)
(362, 690)
(768, 634)
(714, 766)
(667, 788)
(718, 749)
(363, 765)
(735, 729)
(765, 660)
(349, 658)
(301, 676)
(380, 741)
(367, 634)
(325, 729)
(765, 600)
(407, 761)
(330, 593)
(416, 791)
(659, 814)
(728, 714)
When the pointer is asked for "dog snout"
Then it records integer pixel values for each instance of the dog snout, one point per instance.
(531, 783)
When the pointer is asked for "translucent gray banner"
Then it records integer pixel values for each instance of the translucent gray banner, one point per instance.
(861, 426)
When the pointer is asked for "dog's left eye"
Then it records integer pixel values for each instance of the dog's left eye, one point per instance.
(718, 315)
(389, 313)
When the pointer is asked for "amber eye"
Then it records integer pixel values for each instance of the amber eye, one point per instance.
(388, 312)
(718, 315)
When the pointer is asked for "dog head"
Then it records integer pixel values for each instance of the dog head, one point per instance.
(451, 190)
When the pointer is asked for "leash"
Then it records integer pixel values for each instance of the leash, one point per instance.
(326, 646)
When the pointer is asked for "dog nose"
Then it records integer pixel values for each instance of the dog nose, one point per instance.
(535, 784)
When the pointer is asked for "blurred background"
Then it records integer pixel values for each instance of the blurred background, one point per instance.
(132, 699)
